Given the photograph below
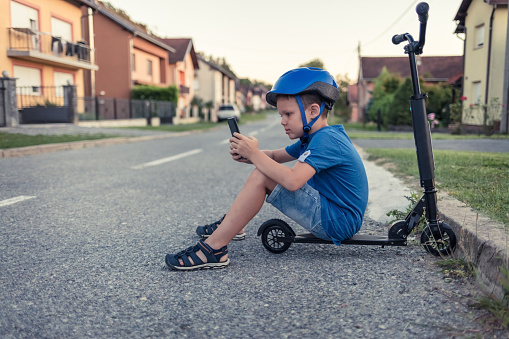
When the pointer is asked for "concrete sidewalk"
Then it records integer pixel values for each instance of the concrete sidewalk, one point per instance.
(480, 240)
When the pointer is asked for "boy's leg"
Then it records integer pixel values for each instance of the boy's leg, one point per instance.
(247, 204)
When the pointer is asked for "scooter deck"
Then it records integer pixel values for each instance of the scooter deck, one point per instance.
(358, 239)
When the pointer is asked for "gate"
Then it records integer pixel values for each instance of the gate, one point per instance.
(3, 104)
(46, 104)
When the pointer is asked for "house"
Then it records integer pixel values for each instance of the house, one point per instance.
(258, 99)
(127, 55)
(44, 47)
(183, 64)
(214, 85)
(486, 69)
(252, 98)
(353, 102)
(432, 69)
(244, 98)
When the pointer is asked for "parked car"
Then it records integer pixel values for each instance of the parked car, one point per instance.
(228, 111)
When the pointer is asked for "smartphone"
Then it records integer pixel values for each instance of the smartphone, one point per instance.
(232, 122)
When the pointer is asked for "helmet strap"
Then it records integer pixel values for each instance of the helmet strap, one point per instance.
(305, 126)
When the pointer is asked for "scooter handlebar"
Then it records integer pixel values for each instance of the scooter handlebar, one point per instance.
(398, 38)
(422, 11)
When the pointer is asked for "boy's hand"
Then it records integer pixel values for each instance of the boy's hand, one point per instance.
(243, 147)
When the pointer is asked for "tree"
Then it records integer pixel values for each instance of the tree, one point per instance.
(439, 98)
(385, 85)
(221, 62)
(399, 113)
(341, 107)
(313, 63)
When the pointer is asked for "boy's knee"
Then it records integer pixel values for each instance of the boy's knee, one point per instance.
(259, 178)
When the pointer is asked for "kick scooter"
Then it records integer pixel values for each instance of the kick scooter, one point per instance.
(437, 238)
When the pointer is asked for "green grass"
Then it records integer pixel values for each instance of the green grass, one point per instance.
(479, 179)
(177, 128)
(248, 117)
(245, 117)
(13, 140)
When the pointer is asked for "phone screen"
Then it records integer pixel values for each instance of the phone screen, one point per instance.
(232, 122)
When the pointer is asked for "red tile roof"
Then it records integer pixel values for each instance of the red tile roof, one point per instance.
(431, 68)
(182, 46)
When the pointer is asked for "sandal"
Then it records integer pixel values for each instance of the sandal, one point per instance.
(213, 258)
(207, 230)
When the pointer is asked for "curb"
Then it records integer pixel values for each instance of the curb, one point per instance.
(480, 240)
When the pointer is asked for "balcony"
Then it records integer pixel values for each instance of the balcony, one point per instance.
(183, 89)
(43, 48)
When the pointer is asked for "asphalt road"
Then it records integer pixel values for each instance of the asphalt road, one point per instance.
(476, 145)
(82, 255)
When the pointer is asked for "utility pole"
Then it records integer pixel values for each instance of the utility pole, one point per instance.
(504, 124)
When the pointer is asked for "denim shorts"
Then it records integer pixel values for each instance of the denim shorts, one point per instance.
(302, 206)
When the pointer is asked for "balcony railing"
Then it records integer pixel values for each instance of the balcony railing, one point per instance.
(26, 43)
(184, 89)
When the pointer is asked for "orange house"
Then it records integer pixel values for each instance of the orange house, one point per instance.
(182, 66)
(44, 47)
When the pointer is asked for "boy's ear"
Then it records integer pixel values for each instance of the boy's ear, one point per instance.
(314, 109)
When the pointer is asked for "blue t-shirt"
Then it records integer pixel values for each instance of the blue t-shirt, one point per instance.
(340, 179)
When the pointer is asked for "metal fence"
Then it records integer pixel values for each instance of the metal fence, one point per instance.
(99, 108)
(33, 96)
(94, 108)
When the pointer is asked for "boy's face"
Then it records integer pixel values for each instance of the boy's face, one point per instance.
(291, 118)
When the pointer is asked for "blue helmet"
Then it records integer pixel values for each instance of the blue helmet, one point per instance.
(305, 80)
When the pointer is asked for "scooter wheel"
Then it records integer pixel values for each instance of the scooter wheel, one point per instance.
(276, 229)
(443, 246)
(398, 230)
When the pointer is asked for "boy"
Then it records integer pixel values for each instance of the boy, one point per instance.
(326, 191)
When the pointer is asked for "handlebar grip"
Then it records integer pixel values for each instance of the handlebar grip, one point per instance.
(398, 38)
(422, 10)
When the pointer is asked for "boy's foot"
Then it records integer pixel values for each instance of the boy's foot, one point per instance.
(207, 230)
(192, 258)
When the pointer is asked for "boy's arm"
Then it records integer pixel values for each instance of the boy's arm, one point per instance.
(290, 178)
(279, 155)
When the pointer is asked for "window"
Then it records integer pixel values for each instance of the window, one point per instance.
(28, 80)
(477, 92)
(26, 17)
(133, 62)
(149, 67)
(61, 79)
(479, 36)
(182, 78)
(62, 29)
(23, 16)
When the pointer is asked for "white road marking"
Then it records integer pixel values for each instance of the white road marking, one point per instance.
(15, 200)
(168, 159)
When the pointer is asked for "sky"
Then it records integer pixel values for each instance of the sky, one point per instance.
(263, 39)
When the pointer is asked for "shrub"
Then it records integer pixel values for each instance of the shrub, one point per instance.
(145, 92)
(399, 113)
